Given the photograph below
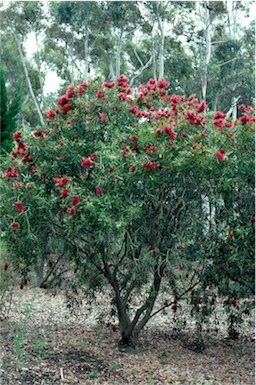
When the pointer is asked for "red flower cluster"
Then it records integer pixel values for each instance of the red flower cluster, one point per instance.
(98, 191)
(50, 114)
(16, 136)
(87, 162)
(109, 85)
(221, 155)
(100, 94)
(150, 149)
(193, 118)
(61, 181)
(133, 168)
(19, 207)
(82, 88)
(169, 131)
(14, 224)
(150, 166)
(126, 151)
(76, 200)
(64, 193)
(12, 172)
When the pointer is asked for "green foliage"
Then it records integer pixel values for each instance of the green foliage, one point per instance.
(132, 188)
(8, 112)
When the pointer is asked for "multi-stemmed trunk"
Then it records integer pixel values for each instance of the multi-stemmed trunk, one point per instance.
(131, 328)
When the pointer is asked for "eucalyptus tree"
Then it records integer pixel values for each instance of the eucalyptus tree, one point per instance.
(74, 23)
(14, 23)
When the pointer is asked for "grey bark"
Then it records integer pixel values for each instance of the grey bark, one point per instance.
(28, 80)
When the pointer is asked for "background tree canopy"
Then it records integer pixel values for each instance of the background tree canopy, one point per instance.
(202, 47)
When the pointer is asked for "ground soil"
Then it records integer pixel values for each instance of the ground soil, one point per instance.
(42, 343)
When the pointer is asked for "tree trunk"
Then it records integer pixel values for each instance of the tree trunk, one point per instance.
(39, 72)
(86, 56)
(29, 81)
(161, 49)
(118, 54)
(154, 57)
(130, 330)
(207, 54)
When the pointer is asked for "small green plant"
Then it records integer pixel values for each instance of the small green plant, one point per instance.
(18, 342)
(114, 367)
(237, 350)
(39, 345)
(93, 374)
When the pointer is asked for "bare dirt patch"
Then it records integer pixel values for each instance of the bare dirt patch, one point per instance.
(43, 344)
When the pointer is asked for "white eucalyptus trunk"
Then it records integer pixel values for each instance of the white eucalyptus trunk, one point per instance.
(29, 81)
(161, 49)
(86, 56)
(208, 45)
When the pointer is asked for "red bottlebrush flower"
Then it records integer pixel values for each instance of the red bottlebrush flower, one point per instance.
(122, 96)
(70, 91)
(64, 209)
(202, 106)
(72, 211)
(5, 267)
(19, 207)
(221, 155)
(171, 142)
(62, 100)
(61, 181)
(133, 168)
(100, 94)
(25, 281)
(86, 162)
(66, 108)
(50, 114)
(122, 79)
(26, 158)
(81, 88)
(150, 166)
(183, 134)
(76, 200)
(11, 173)
(64, 193)
(231, 234)
(98, 191)
(37, 133)
(134, 109)
(162, 83)
(17, 185)
(219, 115)
(21, 287)
(116, 177)
(228, 124)
(159, 131)
(134, 138)
(150, 149)
(136, 147)
(16, 136)
(93, 156)
(126, 150)
(103, 116)
(14, 225)
(111, 168)
(195, 144)
(169, 131)
(109, 85)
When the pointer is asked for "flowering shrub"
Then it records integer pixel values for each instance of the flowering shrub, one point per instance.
(133, 188)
